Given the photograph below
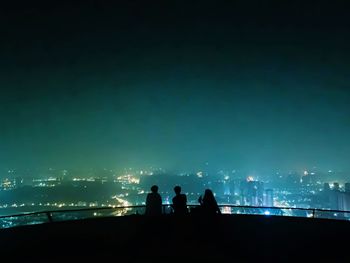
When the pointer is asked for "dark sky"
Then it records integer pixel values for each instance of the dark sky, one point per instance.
(238, 84)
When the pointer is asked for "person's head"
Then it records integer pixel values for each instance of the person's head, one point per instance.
(208, 194)
(177, 189)
(154, 189)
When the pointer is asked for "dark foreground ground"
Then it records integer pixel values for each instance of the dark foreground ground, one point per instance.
(189, 239)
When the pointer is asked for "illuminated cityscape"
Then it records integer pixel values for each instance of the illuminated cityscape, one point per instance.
(64, 189)
(101, 100)
(174, 131)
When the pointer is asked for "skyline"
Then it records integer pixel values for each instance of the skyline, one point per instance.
(175, 86)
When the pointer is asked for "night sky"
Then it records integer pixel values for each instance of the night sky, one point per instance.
(246, 85)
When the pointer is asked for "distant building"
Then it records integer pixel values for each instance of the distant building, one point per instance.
(227, 188)
(268, 198)
(18, 182)
(218, 187)
(326, 187)
(347, 188)
(333, 200)
(306, 179)
(339, 200)
(252, 193)
(336, 186)
(343, 201)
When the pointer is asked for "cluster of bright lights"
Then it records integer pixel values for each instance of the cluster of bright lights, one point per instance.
(122, 202)
(250, 179)
(128, 179)
(59, 205)
(6, 183)
(226, 210)
(90, 179)
(50, 179)
(45, 185)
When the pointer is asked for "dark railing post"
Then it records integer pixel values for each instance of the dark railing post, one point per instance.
(49, 217)
(313, 213)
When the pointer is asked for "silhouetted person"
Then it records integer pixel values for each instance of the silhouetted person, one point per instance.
(179, 202)
(208, 203)
(153, 202)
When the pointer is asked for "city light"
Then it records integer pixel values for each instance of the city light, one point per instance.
(250, 179)
(226, 210)
(122, 190)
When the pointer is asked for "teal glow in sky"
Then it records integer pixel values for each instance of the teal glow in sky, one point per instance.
(242, 86)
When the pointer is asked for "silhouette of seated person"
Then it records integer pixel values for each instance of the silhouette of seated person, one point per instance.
(179, 202)
(208, 203)
(153, 202)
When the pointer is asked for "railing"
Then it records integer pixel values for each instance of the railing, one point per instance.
(85, 213)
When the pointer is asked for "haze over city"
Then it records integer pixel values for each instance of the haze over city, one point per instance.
(174, 131)
(90, 85)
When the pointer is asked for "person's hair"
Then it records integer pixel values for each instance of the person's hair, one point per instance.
(208, 195)
(154, 189)
(177, 189)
